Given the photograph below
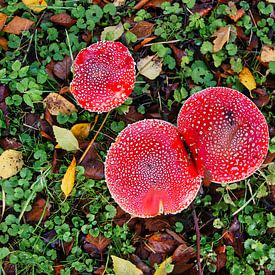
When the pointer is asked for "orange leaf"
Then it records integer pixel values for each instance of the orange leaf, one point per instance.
(222, 37)
(69, 179)
(268, 54)
(4, 43)
(142, 29)
(17, 25)
(247, 79)
(3, 18)
(81, 130)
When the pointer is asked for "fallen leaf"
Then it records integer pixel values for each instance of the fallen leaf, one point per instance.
(203, 9)
(17, 25)
(3, 18)
(4, 43)
(156, 224)
(68, 180)
(140, 264)
(262, 99)
(235, 14)
(65, 139)
(35, 5)
(9, 143)
(63, 19)
(222, 37)
(95, 246)
(112, 33)
(57, 104)
(221, 257)
(39, 208)
(247, 79)
(268, 53)
(81, 130)
(144, 42)
(142, 29)
(119, 3)
(178, 53)
(162, 269)
(155, 3)
(124, 267)
(162, 243)
(62, 69)
(11, 162)
(150, 66)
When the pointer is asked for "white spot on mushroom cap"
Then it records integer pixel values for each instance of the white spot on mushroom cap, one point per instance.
(148, 167)
(104, 76)
(231, 140)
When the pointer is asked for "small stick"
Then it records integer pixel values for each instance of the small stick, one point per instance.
(94, 138)
(140, 4)
(196, 222)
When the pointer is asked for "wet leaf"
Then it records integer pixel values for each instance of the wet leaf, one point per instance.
(142, 29)
(124, 267)
(112, 33)
(62, 69)
(57, 104)
(96, 246)
(247, 79)
(17, 25)
(68, 180)
(65, 139)
(3, 18)
(156, 224)
(162, 243)
(35, 5)
(222, 37)
(81, 130)
(4, 43)
(165, 267)
(63, 19)
(11, 162)
(150, 66)
(10, 143)
(268, 53)
(39, 208)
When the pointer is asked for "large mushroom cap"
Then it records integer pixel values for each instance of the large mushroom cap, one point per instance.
(225, 132)
(104, 76)
(148, 170)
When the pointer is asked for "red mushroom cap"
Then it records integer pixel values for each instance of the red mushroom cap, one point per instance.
(225, 132)
(148, 170)
(104, 76)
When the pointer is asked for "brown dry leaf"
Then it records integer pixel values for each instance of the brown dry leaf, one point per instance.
(222, 37)
(142, 29)
(247, 79)
(10, 143)
(178, 53)
(81, 130)
(150, 66)
(69, 179)
(63, 19)
(57, 104)
(155, 3)
(235, 14)
(17, 25)
(268, 53)
(162, 243)
(3, 18)
(35, 5)
(4, 43)
(11, 162)
(96, 246)
(62, 69)
(38, 208)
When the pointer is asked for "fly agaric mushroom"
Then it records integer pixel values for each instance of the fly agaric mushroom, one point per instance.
(226, 133)
(104, 76)
(148, 170)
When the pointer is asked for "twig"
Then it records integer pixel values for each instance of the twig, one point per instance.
(140, 4)
(198, 235)
(94, 138)
(163, 42)
(3, 203)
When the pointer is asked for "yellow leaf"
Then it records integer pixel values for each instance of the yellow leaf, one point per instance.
(247, 79)
(69, 179)
(57, 104)
(268, 54)
(162, 269)
(81, 130)
(150, 66)
(124, 267)
(112, 32)
(222, 36)
(11, 162)
(35, 5)
(65, 139)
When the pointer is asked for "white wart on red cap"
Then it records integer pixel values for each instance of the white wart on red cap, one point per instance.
(148, 170)
(104, 76)
(225, 132)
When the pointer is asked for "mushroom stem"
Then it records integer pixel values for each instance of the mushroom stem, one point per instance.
(94, 138)
(198, 235)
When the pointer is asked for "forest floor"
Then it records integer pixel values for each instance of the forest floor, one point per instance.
(191, 45)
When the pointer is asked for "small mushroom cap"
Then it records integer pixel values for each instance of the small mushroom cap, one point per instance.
(104, 76)
(148, 170)
(225, 132)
